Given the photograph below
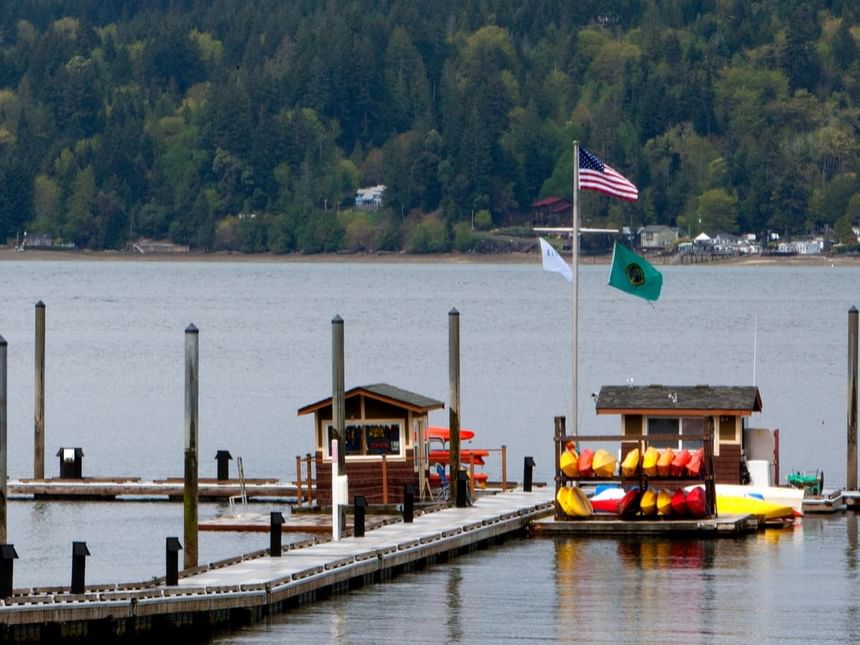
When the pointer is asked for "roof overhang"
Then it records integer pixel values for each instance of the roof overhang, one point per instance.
(386, 394)
(663, 400)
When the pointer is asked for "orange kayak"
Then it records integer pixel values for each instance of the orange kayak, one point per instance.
(694, 467)
(679, 463)
(664, 463)
(603, 463)
(584, 465)
(630, 463)
(649, 461)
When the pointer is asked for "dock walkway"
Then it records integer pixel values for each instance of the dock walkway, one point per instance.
(248, 588)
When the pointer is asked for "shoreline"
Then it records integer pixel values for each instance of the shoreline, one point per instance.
(34, 255)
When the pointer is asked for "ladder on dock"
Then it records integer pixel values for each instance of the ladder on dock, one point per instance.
(243, 492)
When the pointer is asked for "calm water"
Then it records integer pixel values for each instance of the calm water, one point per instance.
(115, 355)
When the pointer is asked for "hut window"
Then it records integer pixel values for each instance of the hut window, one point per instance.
(676, 426)
(370, 439)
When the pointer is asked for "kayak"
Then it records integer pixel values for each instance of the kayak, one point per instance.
(568, 461)
(648, 503)
(731, 505)
(779, 495)
(664, 463)
(630, 464)
(694, 466)
(696, 502)
(606, 500)
(444, 434)
(664, 502)
(679, 463)
(480, 478)
(584, 465)
(574, 502)
(628, 505)
(603, 463)
(469, 456)
(649, 461)
(679, 502)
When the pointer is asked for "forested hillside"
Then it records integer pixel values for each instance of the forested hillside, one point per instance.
(248, 125)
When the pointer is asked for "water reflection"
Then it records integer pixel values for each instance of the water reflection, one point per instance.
(453, 601)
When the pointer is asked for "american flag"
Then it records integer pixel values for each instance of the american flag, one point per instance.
(596, 175)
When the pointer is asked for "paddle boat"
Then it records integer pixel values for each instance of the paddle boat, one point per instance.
(664, 463)
(649, 461)
(603, 463)
(569, 460)
(648, 503)
(679, 463)
(630, 463)
(574, 502)
(606, 498)
(679, 502)
(664, 503)
(584, 467)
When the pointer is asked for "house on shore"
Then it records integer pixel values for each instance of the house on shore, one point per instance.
(657, 237)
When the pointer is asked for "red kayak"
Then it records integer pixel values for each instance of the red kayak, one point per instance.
(584, 466)
(444, 434)
(679, 503)
(470, 456)
(696, 502)
(679, 463)
(628, 506)
(480, 478)
(694, 466)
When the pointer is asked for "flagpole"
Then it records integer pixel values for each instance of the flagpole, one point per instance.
(574, 245)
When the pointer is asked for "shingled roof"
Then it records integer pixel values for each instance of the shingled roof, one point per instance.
(673, 400)
(386, 393)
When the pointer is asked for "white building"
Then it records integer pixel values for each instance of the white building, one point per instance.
(369, 198)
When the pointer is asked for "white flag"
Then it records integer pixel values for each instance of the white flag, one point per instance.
(552, 261)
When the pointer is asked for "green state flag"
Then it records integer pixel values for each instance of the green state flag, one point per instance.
(633, 274)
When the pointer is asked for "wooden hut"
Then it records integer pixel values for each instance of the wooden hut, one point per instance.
(661, 409)
(381, 420)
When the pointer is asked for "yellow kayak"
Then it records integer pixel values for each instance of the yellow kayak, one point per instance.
(664, 502)
(603, 463)
(630, 464)
(729, 505)
(569, 460)
(649, 461)
(664, 463)
(574, 502)
(648, 503)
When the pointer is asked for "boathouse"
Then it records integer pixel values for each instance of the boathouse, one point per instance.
(381, 423)
(676, 410)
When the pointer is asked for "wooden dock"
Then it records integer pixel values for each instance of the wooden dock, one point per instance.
(728, 526)
(134, 488)
(248, 588)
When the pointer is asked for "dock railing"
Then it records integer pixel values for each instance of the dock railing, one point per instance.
(308, 483)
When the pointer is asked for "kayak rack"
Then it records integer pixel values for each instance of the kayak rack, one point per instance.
(641, 480)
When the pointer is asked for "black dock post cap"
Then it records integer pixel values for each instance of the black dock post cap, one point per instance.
(528, 466)
(79, 563)
(462, 489)
(276, 520)
(408, 503)
(172, 547)
(360, 503)
(223, 458)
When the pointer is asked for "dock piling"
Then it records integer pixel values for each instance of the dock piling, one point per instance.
(7, 556)
(851, 472)
(528, 467)
(79, 565)
(276, 519)
(172, 548)
(190, 498)
(462, 488)
(39, 390)
(4, 460)
(454, 397)
(338, 402)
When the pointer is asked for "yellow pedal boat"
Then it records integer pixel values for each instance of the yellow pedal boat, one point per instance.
(574, 502)
(603, 463)
(630, 463)
(649, 461)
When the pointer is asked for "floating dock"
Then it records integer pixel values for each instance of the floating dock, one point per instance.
(248, 588)
(134, 488)
(728, 525)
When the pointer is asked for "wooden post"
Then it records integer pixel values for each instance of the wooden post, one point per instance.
(384, 479)
(454, 398)
(39, 407)
(851, 472)
(472, 479)
(3, 427)
(310, 479)
(191, 474)
(559, 435)
(338, 404)
(298, 479)
(504, 468)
